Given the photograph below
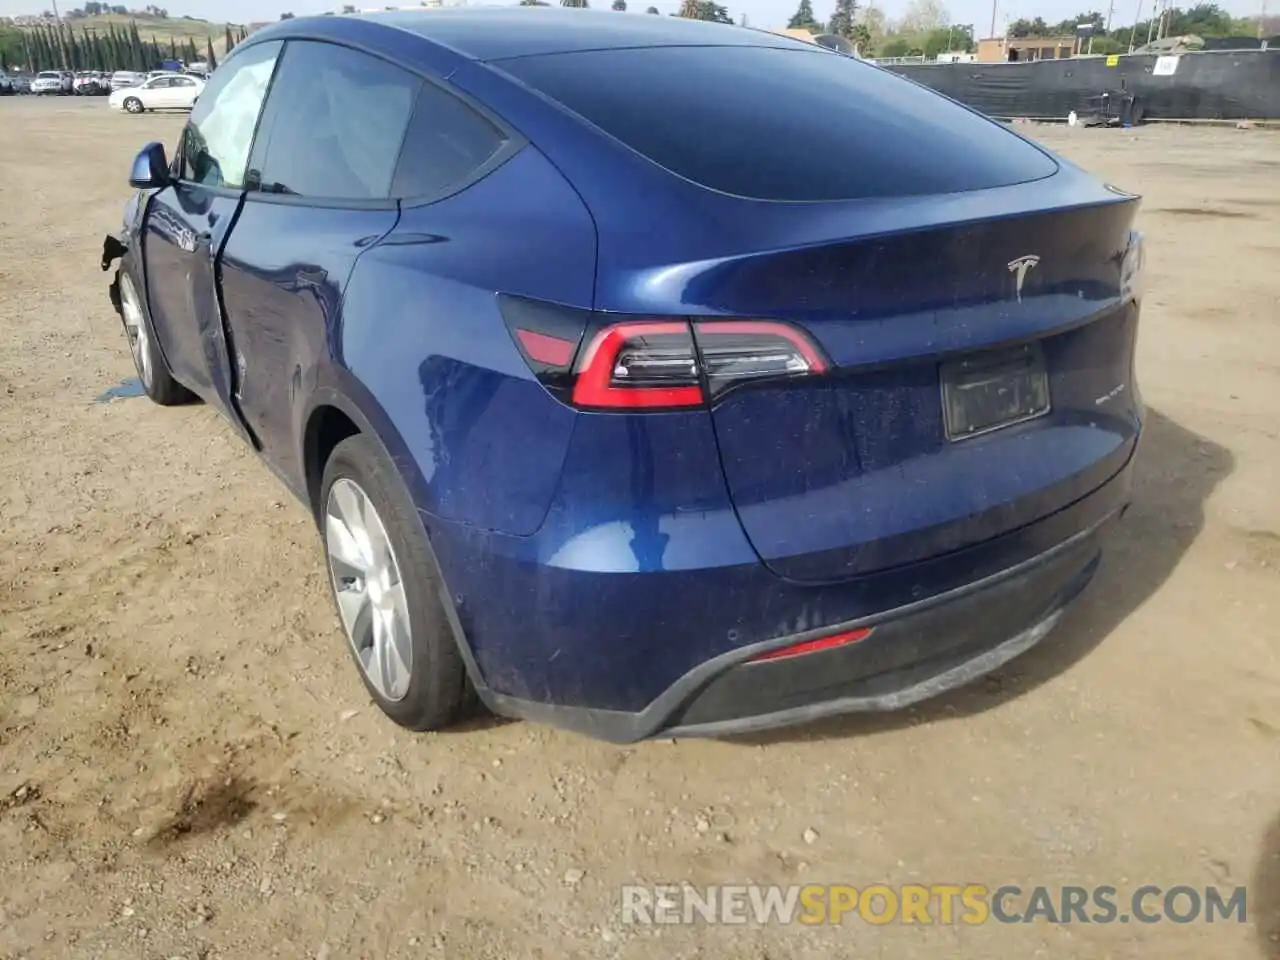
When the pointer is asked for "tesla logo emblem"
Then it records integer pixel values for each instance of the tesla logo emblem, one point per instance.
(1020, 268)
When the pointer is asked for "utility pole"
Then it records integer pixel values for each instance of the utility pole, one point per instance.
(993, 18)
(1137, 18)
(1110, 10)
(1262, 18)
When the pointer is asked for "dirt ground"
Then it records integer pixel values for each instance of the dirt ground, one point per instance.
(189, 767)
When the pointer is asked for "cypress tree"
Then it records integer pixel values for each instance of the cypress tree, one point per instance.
(136, 55)
(116, 45)
(842, 19)
(803, 18)
(51, 48)
(74, 55)
(60, 42)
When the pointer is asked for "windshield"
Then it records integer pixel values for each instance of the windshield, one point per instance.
(47, 75)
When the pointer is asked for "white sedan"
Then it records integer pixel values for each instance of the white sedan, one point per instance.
(173, 91)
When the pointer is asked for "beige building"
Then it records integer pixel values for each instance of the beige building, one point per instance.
(1018, 49)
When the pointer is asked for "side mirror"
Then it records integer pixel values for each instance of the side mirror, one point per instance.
(150, 168)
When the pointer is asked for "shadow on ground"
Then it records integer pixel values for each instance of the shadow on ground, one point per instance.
(1175, 473)
(1264, 892)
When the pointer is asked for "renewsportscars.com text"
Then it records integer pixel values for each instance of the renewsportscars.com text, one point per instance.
(932, 904)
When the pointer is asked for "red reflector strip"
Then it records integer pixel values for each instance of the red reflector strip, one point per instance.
(544, 349)
(636, 398)
(813, 646)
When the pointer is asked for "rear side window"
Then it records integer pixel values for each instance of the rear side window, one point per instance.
(447, 141)
(334, 123)
(780, 124)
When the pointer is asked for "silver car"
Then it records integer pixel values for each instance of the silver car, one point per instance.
(50, 82)
(125, 78)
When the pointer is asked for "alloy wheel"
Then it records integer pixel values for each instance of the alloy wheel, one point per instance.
(135, 327)
(369, 589)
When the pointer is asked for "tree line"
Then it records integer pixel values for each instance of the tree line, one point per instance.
(925, 29)
(57, 46)
(1202, 20)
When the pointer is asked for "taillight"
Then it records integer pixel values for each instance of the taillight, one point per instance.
(652, 364)
(735, 351)
(639, 365)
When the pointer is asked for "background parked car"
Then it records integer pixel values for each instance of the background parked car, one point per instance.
(125, 78)
(168, 91)
(6, 85)
(21, 82)
(91, 83)
(51, 83)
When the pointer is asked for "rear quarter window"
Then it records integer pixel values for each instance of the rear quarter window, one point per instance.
(781, 124)
(445, 144)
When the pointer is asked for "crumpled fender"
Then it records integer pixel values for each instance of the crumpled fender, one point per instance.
(113, 248)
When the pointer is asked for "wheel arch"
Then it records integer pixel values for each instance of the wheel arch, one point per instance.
(333, 414)
(330, 414)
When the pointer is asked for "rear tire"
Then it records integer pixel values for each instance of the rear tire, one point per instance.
(388, 590)
(152, 369)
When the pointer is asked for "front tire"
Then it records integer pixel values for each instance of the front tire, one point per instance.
(134, 105)
(152, 369)
(388, 589)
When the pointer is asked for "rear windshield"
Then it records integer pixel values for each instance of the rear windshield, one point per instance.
(49, 76)
(780, 124)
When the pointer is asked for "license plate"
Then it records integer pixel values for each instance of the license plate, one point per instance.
(988, 391)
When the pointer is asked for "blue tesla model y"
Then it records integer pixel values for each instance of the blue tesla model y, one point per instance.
(643, 374)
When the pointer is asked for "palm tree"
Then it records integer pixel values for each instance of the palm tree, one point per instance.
(573, 3)
(620, 5)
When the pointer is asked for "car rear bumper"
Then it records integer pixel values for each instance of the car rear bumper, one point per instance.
(915, 651)
(911, 656)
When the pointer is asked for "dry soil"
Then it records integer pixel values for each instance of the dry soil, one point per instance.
(189, 767)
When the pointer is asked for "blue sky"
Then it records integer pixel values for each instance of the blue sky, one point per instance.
(761, 13)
